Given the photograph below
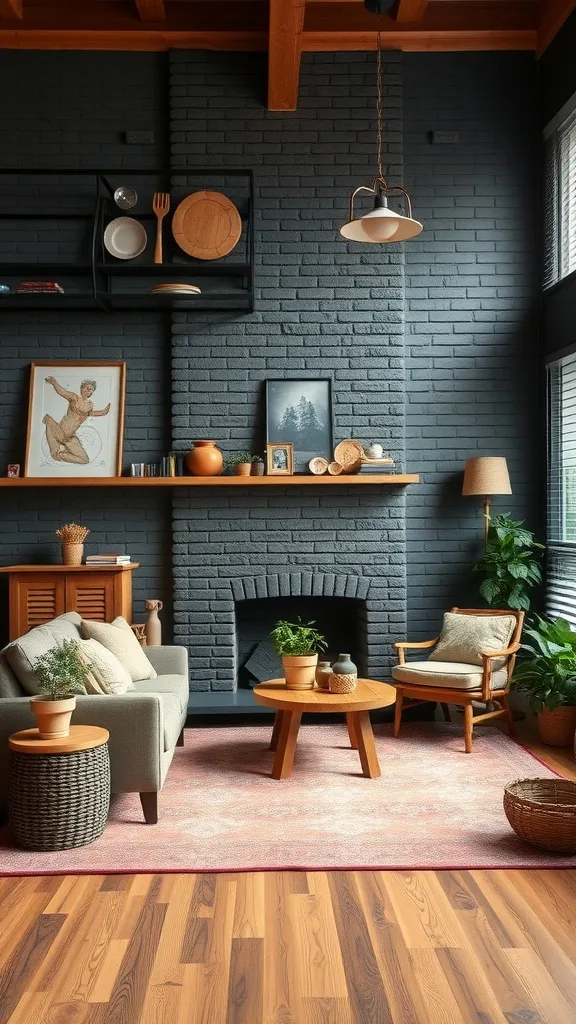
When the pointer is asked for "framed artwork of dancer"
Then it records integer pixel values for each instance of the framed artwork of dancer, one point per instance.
(75, 419)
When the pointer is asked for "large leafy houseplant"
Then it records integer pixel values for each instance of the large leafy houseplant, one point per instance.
(547, 678)
(510, 565)
(298, 643)
(61, 674)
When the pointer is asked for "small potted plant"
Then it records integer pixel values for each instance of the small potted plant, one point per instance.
(61, 675)
(548, 679)
(242, 463)
(257, 465)
(72, 537)
(298, 643)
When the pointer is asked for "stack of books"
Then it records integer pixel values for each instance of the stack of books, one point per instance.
(39, 288)
(385, 465)
(108, 560)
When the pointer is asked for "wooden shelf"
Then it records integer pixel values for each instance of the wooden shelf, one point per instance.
(58, 567)
(302, 480)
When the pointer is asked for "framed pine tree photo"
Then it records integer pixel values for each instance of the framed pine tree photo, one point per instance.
(300, 412)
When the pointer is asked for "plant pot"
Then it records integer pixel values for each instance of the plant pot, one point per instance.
(205, 459)
(300, 671)
(243, 468)
(257, 469)
(557, 727)
(53, 716)
(72, 554)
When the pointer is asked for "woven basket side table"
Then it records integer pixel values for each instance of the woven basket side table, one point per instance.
(58, 790)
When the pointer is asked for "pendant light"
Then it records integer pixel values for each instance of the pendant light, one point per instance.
(381, 224)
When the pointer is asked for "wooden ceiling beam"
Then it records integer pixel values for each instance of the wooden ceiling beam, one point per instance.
(151, 10)
(284, 51)
(11, 9)
(411, 10)
(554, 14)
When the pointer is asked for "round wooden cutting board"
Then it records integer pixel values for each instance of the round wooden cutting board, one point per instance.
(207, 225)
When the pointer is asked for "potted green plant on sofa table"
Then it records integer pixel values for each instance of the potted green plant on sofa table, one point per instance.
(548, 679)
(298, 643)
(62, 674)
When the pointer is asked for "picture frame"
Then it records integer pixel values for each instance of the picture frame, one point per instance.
(69, 435)
(299, 410)
(279, 458)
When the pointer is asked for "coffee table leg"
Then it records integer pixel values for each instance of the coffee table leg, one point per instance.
(284, 758)
(366, 746)
(352, 732)
(276, 730)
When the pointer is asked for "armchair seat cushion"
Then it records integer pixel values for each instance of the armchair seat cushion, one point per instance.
(453, 675)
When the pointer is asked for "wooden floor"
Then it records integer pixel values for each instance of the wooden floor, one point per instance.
(420, 947)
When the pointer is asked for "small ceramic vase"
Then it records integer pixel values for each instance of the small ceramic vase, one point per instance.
(374, 451)
(257, 469)
(323, 673)
(205, 459)
(153, 627)
(344, 677)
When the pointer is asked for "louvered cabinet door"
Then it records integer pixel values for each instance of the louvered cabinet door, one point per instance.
(92, 596)
(34, 601)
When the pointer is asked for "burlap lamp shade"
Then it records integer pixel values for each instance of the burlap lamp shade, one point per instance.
(486, 475)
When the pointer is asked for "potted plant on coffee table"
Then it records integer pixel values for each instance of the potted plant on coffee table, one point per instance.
(298, 643)
(61, 675)
(548, 679)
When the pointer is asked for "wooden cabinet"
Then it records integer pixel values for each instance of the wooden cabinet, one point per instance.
(38, 593)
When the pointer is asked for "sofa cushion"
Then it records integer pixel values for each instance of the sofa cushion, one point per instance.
(108, 672)
(117, 636)
(21, 654)
(465, 638)
(449, 674)
(175, 684)
(9, 685)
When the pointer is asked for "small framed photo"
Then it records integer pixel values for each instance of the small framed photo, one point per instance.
(279, 458)
(13, 471)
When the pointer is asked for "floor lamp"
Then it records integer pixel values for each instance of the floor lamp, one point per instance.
(486, 475)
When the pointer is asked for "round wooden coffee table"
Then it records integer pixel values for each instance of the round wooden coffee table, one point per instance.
(290, 705)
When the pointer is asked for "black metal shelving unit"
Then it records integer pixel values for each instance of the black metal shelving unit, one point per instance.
(91, 277)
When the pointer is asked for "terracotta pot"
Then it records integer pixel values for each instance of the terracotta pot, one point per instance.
(300, 671)
(557, 727)
(243, 469)
(53, 716)
(72, 554)
(257, 469)
(205, 459)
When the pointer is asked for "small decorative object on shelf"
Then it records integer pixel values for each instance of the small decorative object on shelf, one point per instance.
(374, 451)
(344, 677)
(72, 537)
(257, 466)
(61, 675)
(160, 206)
(349, 454)
(204, 459)
(298, 643)
(280, 458)
(318, 466)
(240, 463)
(153, 624)
(108, 560)
(323, 673)
(125, 197)
(13, 471)
(335, 469)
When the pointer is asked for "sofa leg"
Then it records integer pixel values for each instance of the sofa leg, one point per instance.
(149, 803)
(180, 740)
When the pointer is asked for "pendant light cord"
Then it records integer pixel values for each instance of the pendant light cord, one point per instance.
(379, 105)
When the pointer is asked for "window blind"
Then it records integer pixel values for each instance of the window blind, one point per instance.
(560, 203)
(561, 506)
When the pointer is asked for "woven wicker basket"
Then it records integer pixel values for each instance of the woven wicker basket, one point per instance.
(543, 812)
(342, 683)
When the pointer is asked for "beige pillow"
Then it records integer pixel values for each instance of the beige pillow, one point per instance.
(118, 638)
(108, 673)
(464, 637)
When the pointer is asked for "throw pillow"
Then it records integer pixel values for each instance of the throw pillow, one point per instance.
(463, 637)
(118, 637)
(109, 674)
(22, 653)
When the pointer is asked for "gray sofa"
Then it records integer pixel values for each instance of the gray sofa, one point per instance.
(145, 724)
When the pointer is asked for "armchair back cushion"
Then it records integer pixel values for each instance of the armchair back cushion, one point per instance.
(464, 638)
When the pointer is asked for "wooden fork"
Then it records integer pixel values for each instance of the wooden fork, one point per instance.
(160, 206)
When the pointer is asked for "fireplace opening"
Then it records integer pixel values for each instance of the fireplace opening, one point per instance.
(341, 620)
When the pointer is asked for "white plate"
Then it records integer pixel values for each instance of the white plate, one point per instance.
(125, 238)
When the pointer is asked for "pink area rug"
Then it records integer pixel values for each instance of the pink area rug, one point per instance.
(433, 807)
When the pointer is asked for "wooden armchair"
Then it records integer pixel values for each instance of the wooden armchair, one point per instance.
(424, 681)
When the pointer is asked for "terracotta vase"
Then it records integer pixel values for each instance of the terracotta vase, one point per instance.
(205, 459)
(300, 671)
(72, 554)
(557, 727)
(153, 626)
(53, 716)
(243, 469)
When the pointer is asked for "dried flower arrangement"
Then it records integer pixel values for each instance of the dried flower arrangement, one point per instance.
(72, 533)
